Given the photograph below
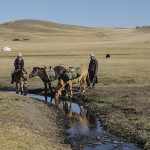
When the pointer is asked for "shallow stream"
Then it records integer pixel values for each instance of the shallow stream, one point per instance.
(85, 128)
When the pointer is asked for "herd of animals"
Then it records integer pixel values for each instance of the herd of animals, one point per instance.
(55, 74)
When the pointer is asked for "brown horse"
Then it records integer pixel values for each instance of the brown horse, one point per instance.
(84, 78)
(65, 108)
(21, 85)
(41, 72)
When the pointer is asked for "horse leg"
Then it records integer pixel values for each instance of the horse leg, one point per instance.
(66, 90)
(84, 84)
(17, 88)
(81, 82)
(45, 92)
(21, 87)
(50, 87)
(24, 89)
(59, 91)
(70, 85)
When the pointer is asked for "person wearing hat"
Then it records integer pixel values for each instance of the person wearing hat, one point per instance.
(19, 64)
(93, 69)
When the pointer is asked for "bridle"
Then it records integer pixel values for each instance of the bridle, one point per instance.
(35, 73)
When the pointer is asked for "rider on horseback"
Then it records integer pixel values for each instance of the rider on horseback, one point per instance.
(19, 65)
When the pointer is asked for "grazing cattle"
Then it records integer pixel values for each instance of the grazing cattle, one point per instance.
(107, 55)
(54, 74)
(83, 78)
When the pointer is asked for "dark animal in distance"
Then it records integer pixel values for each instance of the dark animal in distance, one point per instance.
(107, 55)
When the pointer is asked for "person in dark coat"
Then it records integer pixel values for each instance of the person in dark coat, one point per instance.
(19, 65)
(93, 69)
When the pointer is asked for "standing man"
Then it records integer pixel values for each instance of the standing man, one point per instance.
(93, 69)
(19, 64)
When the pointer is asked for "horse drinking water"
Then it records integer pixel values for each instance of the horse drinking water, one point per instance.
(63, 83)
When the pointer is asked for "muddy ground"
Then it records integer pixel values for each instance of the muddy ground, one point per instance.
(123, 111)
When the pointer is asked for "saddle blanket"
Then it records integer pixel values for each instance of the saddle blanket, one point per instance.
(50, 74)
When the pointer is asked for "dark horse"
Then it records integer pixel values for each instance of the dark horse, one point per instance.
(19, 78)
(41, 72)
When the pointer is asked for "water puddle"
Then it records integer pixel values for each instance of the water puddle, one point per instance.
(85, 130)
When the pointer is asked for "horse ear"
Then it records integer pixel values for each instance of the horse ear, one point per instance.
(45, 67)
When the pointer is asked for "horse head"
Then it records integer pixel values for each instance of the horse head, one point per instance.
(24, 73)
(34, 72)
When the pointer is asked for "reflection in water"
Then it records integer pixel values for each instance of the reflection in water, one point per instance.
(80, 114)
(85, 129)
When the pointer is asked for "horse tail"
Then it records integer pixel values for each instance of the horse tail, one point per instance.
(88, 79)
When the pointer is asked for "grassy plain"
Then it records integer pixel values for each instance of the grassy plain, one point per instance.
(123, 78)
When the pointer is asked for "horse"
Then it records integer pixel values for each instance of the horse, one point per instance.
(41, 72)
(84, 78)
(19, 79)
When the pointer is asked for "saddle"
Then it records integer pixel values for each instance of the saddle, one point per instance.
(50, 73)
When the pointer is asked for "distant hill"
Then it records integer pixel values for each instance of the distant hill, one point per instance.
(143, 28)
(38, 26)
(48, 31)
(35, 28)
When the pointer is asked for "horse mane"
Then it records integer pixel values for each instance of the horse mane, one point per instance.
(37, 68)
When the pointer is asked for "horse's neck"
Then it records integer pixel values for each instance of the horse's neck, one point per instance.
(41, 74)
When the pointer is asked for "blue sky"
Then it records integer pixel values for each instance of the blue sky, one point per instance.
(90, 13)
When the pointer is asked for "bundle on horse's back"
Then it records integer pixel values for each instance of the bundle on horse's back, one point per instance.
(72, 76)
(71, 73)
